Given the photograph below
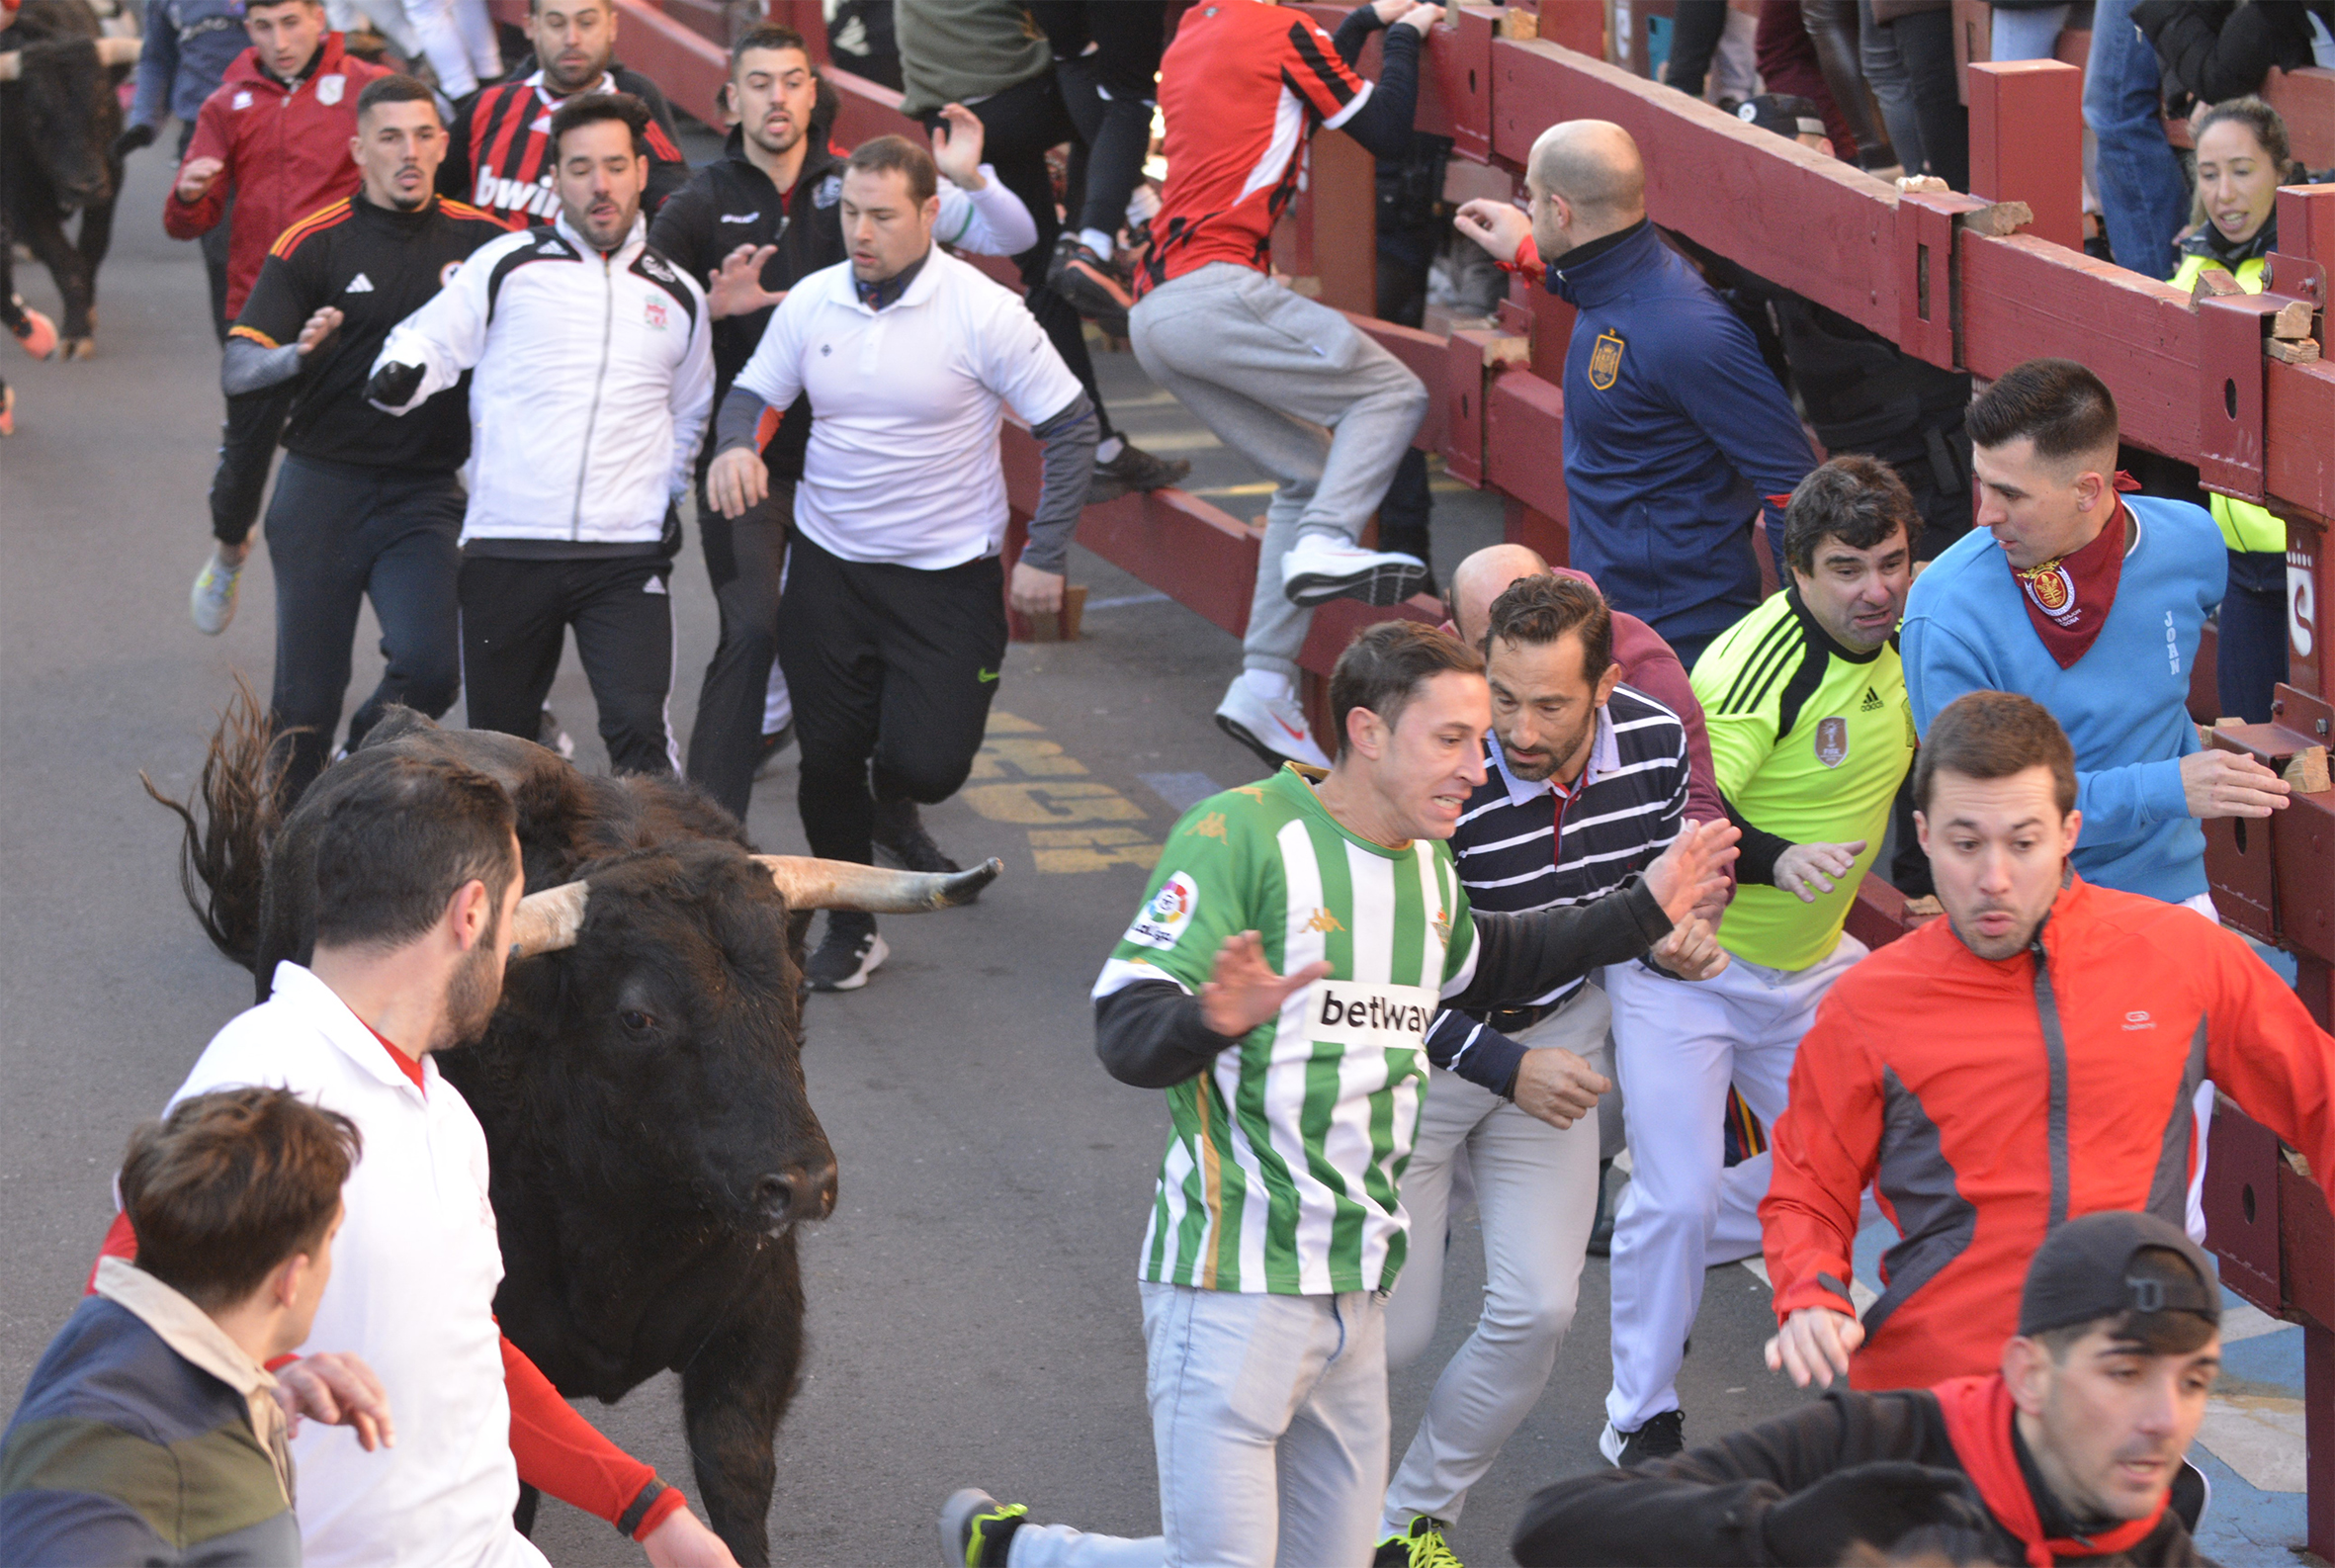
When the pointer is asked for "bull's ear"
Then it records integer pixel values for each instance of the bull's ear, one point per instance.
(549, 920)
(811, 884)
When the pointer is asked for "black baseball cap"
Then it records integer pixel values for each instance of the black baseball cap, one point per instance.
(1785, 114)
(2112, 1264)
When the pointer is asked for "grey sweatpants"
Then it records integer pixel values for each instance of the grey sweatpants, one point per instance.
(1293, 387)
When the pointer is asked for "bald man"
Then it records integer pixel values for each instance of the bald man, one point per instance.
(1677, 438)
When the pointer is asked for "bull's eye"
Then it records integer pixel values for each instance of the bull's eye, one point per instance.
(635, 1021)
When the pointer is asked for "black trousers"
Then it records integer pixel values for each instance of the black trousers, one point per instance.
(744, 556)
(892, 670)
(337, 535)
(1408, 509)
(1109, 93)
(246, 449)
(1926, 41)
(2250, 654)
(1017, 125)
(1693, 42)
(515, 616)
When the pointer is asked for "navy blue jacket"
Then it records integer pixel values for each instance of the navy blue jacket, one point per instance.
(1676, 432)
(189, 46)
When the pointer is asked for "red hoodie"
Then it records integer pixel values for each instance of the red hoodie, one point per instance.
(285, 151)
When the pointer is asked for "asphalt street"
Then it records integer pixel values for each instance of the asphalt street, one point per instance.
(973, 1304)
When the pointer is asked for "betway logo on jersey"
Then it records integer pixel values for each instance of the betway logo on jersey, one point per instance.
(1350, 1012)
(498, 194)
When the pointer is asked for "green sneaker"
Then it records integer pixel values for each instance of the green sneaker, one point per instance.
(976, 1529)
(1420, 1547)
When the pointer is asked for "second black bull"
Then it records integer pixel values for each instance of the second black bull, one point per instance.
(640, 1083)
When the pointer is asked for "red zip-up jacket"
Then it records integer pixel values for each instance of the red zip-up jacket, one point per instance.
(1990, 1101)
(286, 150)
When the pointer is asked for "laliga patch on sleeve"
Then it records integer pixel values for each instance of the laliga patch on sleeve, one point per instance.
(1163, 920)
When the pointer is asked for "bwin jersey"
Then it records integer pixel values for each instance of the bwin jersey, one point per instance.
(1280, 1172)
(1808, 740)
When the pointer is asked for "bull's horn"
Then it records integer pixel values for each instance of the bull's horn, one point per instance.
(549, 920)
(11, 64)
(118, 51)
(810, 883)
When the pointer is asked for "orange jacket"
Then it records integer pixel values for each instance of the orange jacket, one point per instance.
(1989, 1101)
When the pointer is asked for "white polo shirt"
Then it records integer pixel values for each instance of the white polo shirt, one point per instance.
(414, 1270)
(906, 403)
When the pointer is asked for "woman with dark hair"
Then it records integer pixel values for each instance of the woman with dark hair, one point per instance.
(2242, 158)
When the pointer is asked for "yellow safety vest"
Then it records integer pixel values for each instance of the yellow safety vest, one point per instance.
(2244, 525)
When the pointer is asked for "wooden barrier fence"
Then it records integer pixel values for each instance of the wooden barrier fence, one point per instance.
(1963, 282)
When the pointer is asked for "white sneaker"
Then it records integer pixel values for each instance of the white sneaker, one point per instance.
(1273, 728)
(1321, 566)
(212, 601)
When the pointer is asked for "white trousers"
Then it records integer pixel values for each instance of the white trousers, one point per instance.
(1268, 1415)
(1537, 1190)
(1677, 1049)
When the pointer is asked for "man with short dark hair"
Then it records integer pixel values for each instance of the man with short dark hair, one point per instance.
(593, 375)
(752, 225)
(418, 883)
(270, 146)
(2093, 603)
(367, 505)
(1277, 981)
(1810, 739)
(891, 630)
(501, 150)
(2031, 1056)
(1586, 787)
(234, 1201)
(2064, 1445)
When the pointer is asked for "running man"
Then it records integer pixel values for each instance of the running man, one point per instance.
(1810, 736)
(1297, 939)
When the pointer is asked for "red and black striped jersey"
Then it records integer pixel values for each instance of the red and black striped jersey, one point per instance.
(1240, 88)
(501, 157)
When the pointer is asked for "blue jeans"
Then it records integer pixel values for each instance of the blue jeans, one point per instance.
(2143, 196)
(2026, 35)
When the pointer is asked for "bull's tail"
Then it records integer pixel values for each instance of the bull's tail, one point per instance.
(228, 822)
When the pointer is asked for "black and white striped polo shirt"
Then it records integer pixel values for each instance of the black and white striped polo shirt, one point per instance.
(1525, 846)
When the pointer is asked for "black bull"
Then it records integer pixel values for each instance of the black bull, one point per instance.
(58, 121)
(653, 1143)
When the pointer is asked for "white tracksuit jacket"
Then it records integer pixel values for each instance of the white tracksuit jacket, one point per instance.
(593, 379)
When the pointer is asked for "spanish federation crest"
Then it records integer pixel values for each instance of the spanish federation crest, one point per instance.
(1832, 742)
(1605, 360)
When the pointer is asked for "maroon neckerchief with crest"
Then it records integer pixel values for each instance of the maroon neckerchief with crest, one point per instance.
(2069, 599)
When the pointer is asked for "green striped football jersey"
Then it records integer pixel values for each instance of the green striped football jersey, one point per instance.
(1282, 1168)
(1809, 741)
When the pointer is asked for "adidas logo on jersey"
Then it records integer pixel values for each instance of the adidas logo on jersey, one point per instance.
(1871, 703)
(359, 283)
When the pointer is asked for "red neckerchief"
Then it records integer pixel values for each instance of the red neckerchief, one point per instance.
(1979, 1413)
(409, 1066)
(2069, 599)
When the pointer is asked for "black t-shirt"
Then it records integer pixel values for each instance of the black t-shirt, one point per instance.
(376, 267)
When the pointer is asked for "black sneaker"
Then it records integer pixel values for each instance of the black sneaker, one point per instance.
(1657, 1440)
(850, 953)
(774, 748)
(1090, 284)
(1133, 469)
(900, 838)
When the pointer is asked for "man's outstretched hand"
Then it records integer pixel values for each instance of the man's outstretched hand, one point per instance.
(956, 147)
(1806, 870)
(338, 1390)
(1693, 872)
(683, 1542)
(1242, 992)
(1814, 1345)
(1499, 227)
(736, 287)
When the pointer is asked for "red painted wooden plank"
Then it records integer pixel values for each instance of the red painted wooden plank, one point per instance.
(1427, 357)
(2027, 142)
(1524, 442)
(1878, 918)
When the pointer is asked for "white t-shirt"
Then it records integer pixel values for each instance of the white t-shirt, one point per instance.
(906, 402)
(414, 1270)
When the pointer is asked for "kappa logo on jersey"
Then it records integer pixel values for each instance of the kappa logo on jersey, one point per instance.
(1359, 1014)
(1872, 702)
(1832, 741)
(359, 283)
(1323, 920)
(830, 191)
(1162, 922)
(329, 88)
(653, 312)
(1208, 826)
(1605, 360)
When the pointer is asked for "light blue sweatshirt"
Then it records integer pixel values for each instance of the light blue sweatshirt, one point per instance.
(2124, 704)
